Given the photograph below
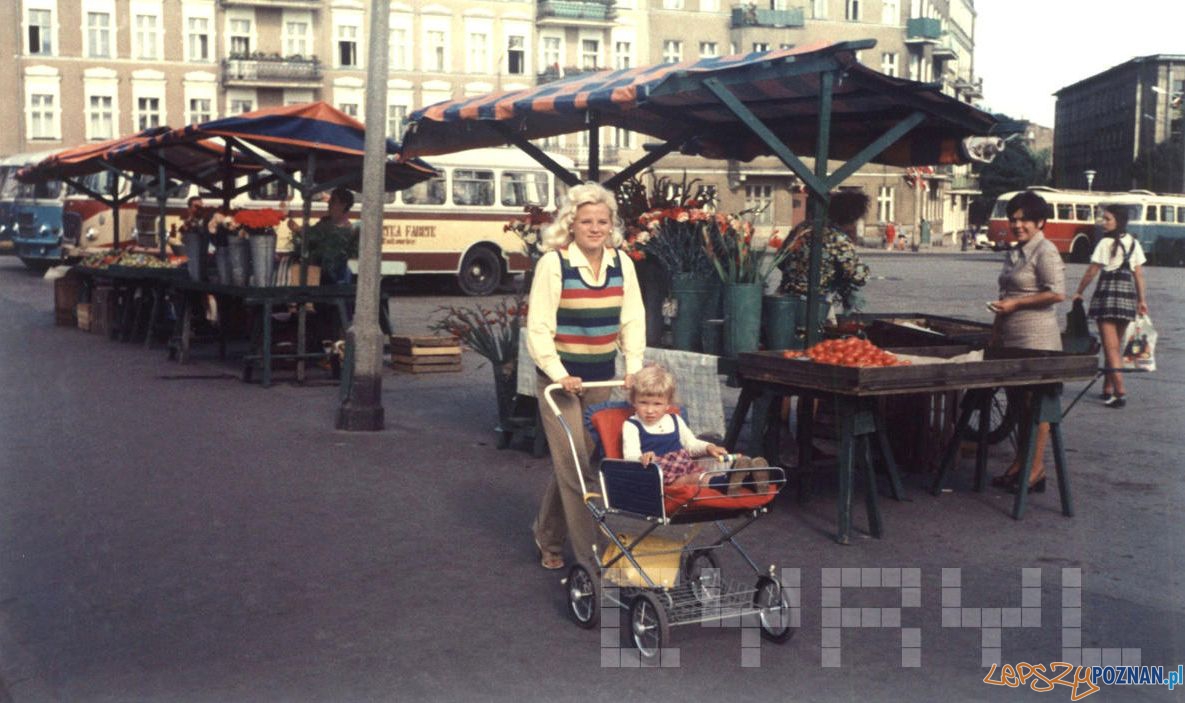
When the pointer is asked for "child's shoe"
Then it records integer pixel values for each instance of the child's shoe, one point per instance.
(760, 478)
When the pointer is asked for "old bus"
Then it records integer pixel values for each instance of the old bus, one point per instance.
(1158, 221)
(450, 225)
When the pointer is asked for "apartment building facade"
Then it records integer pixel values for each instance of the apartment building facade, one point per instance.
(87, 70)
(1106, 122)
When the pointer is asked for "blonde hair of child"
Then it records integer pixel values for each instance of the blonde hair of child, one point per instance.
(653, 380)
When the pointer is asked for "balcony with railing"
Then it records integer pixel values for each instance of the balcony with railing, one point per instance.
(749, 15)
(576, 12)
(290, 4)
(946, 48)
(268, 71)
(608, 153)
(926, 30)
(554, 73)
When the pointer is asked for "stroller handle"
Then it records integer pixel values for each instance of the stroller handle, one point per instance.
(590, 384)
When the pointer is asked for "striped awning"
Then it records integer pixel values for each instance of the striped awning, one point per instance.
(82, 160)
(289, 135)
(676, 102)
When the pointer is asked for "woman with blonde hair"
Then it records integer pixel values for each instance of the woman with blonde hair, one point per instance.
(585, 306)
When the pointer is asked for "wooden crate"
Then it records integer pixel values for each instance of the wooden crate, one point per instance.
(66, 292)
(102, 310)
(425, 354)
(1000, 367)
(83, 315)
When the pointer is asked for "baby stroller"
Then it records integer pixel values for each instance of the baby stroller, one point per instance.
(665, 582)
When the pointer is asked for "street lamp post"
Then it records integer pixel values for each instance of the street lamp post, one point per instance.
(1090, 174)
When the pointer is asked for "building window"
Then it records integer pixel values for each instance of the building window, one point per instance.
(884, 204)
(551, 52)
(200, 110)
(101, 117)
(623, 52)
(198, 38)
(851, 10)
(42, 116)
(759, 46)
(819, 9)
(709, 5)
(240, 105)
(890, 12)
(399, 49)
(516, 55)
(396, 118)
(759, 200)
(672, 51)
(147, 37)
(350, 109)
(672, 4)
(347, 46)
(623, 138)
(40, 32)
(590, 54)
(708, 49)
(98, 35)
(435, 51)
(240, 37)
(889, 64)
(147, 113)
(296, 43)
(479, 52)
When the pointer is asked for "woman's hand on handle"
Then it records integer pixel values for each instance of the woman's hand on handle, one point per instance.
(1142, 308)
(572, 384)
(628, 381)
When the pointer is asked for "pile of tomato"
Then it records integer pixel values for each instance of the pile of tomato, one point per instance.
(849, 351)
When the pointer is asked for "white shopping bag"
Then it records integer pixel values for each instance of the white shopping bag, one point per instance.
(1139, 345)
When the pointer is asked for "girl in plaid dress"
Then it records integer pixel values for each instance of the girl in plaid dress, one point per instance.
(1119, 296)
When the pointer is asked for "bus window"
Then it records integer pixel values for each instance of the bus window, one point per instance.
(1181, 214)
(471, 187)
(1150, 214)
(1082, 213)
(1065, 211)
(998, 211)
(521, 188)
(274, 190)
(1167, 213)
(430, 192)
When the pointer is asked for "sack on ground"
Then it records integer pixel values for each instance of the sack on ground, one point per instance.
(1139, 345)
(1077, 338)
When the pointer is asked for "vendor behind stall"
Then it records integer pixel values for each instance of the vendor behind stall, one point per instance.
(841, 273)
(333, 241)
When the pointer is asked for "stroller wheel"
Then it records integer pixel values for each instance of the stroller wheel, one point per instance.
(774, 613)
(649, 626)
(584, 597)
(702, 573)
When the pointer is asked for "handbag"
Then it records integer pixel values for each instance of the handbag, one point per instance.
(1077, 338)
(1139, 345)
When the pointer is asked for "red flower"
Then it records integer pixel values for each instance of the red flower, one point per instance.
(259, 219)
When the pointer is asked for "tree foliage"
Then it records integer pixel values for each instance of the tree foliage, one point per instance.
(1160, 169)
(1015, 168)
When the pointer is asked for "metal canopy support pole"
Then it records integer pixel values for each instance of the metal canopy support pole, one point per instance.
(362, 409)
(821, 201)
(113, 189)
(162, 194)
(569, 178)
(302, 312)
(653, 155)
(594, 145)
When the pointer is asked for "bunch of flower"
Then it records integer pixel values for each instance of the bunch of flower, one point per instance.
(529, 229)
(258, 220)
(737, 258)
(673, 236)
(841, 272)
(491, 332)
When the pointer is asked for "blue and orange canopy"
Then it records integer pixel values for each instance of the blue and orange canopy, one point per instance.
(290, 134)
(675, 102)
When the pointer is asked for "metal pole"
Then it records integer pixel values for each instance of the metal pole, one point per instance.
(821, 200)
(113, 189)
(362, 409)
(162, 194)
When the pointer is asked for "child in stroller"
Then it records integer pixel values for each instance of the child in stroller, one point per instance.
(653, 435)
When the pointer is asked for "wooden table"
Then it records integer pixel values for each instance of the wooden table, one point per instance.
(862, 431)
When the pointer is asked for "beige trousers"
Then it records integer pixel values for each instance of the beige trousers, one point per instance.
(562, 513)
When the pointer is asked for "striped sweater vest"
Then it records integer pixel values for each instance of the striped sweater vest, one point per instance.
(588, 321)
